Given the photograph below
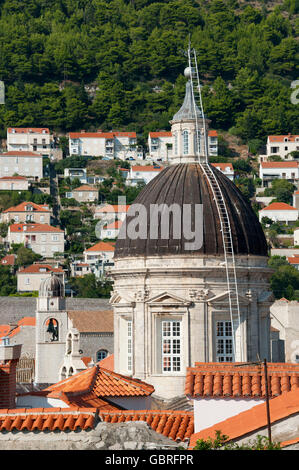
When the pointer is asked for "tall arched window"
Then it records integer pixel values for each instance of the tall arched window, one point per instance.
(197, 142)
(52, 330)
(185, 142)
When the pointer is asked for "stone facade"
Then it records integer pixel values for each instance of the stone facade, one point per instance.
(193, 291)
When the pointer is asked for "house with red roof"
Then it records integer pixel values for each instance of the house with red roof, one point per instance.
(14, 183)
(111, 230)
(111, 212)
(142, 174)
(84, 193)
(282, 146)
(226, 168)
(109, 145)
(287, 170)
(9, 260)
(29, 278)
(43, 239)
(21, 332)
(27, 212)
(279, 212)
(222, 390)
(30, 139)
(21, 163)
(244, 427)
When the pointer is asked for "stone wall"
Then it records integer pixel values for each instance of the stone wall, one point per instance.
(90, 343)
(13, 309)
(105, 436)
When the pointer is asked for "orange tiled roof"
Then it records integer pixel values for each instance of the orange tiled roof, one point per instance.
(223, 166)
(114, 207)
(27, 130)
(279, 164)
(154, 135)
(9, 260)
(293, 259)
(279, 206)
(101, 383)
(280, 138)
(253, 419)
(6, 178)
(36, 269)
(114, 225)
(107, 362)
(22, 207)
(216, 379)
(21, 153)
(12, 330)
(34, 228)
(176, 425)
(85, 187)
(47, 419)
(101, 246)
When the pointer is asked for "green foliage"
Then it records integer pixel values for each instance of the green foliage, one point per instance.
(285, 280)
(221, 442)
(8, 282)
(282, 190)
(50, 51)
(25, 256)
(90, 286)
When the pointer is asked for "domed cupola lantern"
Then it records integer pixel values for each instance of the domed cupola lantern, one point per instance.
(176, 303)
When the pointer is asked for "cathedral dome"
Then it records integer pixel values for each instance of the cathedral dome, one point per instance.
(187, 184)
(51, 287)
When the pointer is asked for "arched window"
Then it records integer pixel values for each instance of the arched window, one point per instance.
(69, 344)
(52, 333)
(185, 142)
(71, 371)
(175, 144)
(197, 142)
(63, 374)
(101, 354)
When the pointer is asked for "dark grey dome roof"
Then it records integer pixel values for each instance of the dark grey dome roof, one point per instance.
(52, 286)
(186, 183)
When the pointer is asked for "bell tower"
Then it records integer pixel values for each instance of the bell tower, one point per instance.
(51, 330)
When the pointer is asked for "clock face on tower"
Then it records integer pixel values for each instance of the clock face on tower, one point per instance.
(2, 92)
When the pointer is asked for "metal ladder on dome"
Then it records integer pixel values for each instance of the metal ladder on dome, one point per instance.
(229, 257)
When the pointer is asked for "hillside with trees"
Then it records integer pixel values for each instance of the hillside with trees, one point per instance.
(90, 64)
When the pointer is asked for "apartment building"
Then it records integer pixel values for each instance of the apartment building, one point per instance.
(282, 146)
(109, 145)
(27, 212)
(84, 193)
(30, 139)
(269, 171)
(23, 163)
(226, 168)
(41, 238)
(142, 174)
(279, 212)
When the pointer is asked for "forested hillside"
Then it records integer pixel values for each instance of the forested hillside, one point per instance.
(90, 64)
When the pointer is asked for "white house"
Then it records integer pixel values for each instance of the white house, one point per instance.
(99, 257)
(84, 193)
(284, 317)
(41, 238)
(142, 174)
(111, 211)
(23, 163)
(279, 212)
(29, 278)
(27, 212)
(226, 168)
(281, 145)
(110, 145)
(30, 139)
(296, 236)
(282, 170)
(160, 145)
(80, 173)
(14, 183)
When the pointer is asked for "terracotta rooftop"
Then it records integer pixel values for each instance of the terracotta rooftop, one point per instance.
(279, 206)
(9, 260)
(253, 419)
(101, 246)
(107, 362)
(101, 135)
(280, 138)
(47, 419)
(176, 425)
(8, 331)
(85, 188)
(293, 259)
(20, 153)
(279, 164)
(146, 168)
(28, 130)
(223, 166)
(87, 321)
(22, 208)
(216, 379)
(6, 178)
(97, 382)
(114, 225)
(154, 135)
(33, 228)
(37, 268)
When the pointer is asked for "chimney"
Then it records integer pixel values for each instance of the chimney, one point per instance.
(9, 356)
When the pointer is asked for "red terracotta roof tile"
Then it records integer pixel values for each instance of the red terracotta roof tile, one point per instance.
(114, 207)
(101, 246)
(114, 225)
(292, 164)
(20, 153)
(229, 380)
(177, 425)
(280, 138)
(146, 168)
(85, 187)
(39, 268)
(9, 260)
(279, 206)
(47, 419)
(108, 362)
(33, 228)
(22, 207)
(8, 178)
(281, 407)
(223, 166)
(154, 135)
(28, 130)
